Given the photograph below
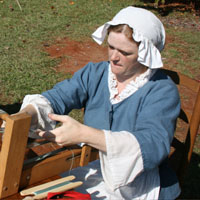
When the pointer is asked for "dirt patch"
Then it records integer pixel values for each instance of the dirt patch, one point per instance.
(74, 55)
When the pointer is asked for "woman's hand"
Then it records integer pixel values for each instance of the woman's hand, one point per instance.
(73, 132)
(68, 133)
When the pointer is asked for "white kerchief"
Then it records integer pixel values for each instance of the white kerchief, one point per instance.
(147, 29)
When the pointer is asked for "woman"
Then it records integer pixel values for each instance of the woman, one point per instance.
(130, 111)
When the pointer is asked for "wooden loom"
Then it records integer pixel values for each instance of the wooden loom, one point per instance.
(18, 166)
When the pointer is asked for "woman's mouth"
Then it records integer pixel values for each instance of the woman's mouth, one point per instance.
(116, 64)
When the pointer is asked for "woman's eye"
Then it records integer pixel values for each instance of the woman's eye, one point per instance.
(111, 47)
(125, 53)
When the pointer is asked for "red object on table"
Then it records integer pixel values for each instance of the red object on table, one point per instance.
(73, 195)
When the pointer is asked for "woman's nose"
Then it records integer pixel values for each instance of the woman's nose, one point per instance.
(114, 55)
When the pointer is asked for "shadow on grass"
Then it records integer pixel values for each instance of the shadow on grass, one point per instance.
(173, 5)
(191, 186)
(11, 108)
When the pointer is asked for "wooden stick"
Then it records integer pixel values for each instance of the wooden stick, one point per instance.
(45, 185)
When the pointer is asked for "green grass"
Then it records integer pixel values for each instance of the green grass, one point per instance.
(184, 51)
(25, 68)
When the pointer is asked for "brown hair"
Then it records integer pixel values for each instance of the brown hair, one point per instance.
(122, 28)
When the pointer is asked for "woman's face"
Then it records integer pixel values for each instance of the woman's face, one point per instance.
(123, 55)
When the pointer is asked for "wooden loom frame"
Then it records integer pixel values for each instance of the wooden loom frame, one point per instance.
(14, 175)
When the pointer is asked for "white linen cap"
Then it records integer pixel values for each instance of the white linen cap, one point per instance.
(147, 29)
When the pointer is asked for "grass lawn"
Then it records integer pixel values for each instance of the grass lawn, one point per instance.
(25, 29)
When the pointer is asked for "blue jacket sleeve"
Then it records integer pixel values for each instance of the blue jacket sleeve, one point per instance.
(156, 122)
(70, 93)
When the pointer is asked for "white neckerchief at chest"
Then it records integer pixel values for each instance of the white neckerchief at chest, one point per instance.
(130, 88)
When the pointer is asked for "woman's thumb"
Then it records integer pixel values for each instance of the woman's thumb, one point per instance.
(55, 117)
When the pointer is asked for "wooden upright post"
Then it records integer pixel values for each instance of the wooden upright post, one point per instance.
(12, 152)
(85, 155)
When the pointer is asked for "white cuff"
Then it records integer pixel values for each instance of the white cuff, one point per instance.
(43, 108)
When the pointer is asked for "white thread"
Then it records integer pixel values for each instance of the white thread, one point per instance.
(72, 161)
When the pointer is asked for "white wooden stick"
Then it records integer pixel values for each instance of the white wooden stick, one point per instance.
(31, 191)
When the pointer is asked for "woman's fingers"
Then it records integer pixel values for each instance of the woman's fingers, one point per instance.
(48, 135)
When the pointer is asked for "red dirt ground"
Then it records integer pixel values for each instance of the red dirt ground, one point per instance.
(74, 55)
